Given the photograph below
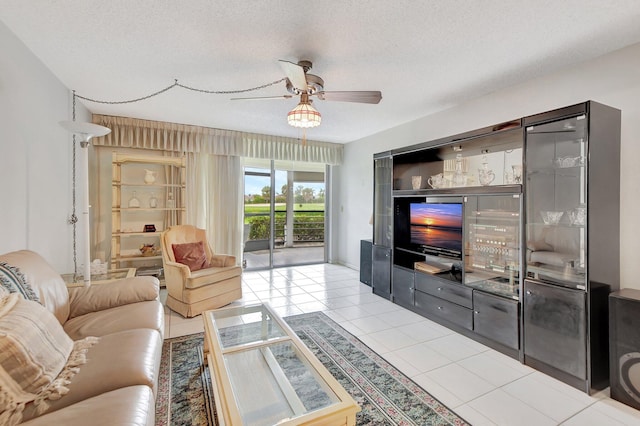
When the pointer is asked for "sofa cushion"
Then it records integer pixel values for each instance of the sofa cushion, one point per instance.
(45, 281)
(131, 406)
(12, 280)
(118, 360)
(191, 254)
(148, 315)
(83, 300)
(33, 351)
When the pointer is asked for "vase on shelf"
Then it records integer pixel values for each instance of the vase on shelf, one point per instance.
(133, 201)
(153, 201)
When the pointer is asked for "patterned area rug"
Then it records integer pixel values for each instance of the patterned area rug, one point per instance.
(386, 396)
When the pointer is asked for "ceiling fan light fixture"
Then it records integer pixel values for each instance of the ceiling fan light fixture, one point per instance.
(304, 116)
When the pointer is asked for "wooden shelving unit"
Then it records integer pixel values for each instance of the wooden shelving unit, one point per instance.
(158, 185)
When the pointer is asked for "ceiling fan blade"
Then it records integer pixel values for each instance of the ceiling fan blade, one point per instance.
(263, 98)
(295, 74)
(365, 97)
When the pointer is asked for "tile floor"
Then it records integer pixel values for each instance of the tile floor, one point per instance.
(480, 384)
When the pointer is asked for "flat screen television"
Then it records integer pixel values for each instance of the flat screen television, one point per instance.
(436, 228)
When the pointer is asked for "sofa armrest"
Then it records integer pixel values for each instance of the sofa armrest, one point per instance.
(222, 260)
(83, 300)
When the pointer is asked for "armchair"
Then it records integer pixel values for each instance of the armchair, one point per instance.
(212, 281)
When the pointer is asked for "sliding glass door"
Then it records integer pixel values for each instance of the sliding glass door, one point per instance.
(284, 214)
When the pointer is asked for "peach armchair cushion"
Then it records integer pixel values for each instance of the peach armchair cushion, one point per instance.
(192, 291)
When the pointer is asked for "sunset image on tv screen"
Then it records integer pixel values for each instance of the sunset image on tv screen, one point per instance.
(436, 215)
(436, 225)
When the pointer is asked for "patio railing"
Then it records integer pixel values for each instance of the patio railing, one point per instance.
(308, 226)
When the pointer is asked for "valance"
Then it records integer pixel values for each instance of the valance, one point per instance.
(146, 134)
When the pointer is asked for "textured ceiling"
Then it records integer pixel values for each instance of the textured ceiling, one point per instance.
(424, 55)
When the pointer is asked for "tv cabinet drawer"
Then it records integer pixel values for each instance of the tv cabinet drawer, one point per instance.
(456, 293)
(433, 306)
(496, 318)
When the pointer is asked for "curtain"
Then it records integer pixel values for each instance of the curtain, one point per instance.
(215, 200)
(145, 134)
(214, 175)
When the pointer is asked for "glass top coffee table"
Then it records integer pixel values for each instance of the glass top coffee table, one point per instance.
(263, 374)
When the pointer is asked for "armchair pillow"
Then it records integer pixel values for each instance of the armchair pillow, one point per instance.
(191, 254)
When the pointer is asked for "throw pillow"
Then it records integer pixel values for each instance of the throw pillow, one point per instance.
(191, 254)
(34, 350)
(14, 282)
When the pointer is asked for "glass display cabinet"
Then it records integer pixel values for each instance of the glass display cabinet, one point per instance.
(572, 197)
(556, 201)
(382, 225)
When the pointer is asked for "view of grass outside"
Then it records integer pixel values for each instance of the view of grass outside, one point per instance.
(308, 214)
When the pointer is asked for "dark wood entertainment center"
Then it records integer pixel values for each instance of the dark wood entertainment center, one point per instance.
(509, 235)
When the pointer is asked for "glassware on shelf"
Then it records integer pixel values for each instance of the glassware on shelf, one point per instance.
(171, 203)
(485, 174)
(153, 201)
(436, 181)
(551, 217)
(578, 216)
(459, 176)
(508, 177)
(517, 173)
(565, 162)
(416, 182)
(133, 201)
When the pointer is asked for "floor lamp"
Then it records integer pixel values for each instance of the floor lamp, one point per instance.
(85, 131)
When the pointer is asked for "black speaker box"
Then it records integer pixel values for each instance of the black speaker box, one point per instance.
(624, 346)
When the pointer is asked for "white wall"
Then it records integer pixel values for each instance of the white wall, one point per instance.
(611, 79)
(35, 156)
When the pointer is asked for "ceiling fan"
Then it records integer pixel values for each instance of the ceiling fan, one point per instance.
(301, 83)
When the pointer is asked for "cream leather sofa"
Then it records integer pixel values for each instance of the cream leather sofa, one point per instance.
(117, 385)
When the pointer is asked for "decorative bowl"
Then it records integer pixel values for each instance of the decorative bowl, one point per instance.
(551, 217)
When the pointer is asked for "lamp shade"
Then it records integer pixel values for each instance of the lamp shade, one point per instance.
(304, 115)
(86, 130)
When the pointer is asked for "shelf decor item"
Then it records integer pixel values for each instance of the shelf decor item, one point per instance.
(153, 201)
(149, 176)
(416, 182)
(577, 216)
(551, 217)
(148, 250)
(436, 181)
(485, 174)
(134, 203)
(171, 203)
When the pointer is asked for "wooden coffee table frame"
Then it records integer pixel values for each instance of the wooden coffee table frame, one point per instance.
(340, 413)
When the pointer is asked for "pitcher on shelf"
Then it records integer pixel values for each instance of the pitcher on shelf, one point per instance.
(149, 176)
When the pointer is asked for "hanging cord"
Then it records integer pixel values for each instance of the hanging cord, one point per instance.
(176, 84)
(73, 220)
